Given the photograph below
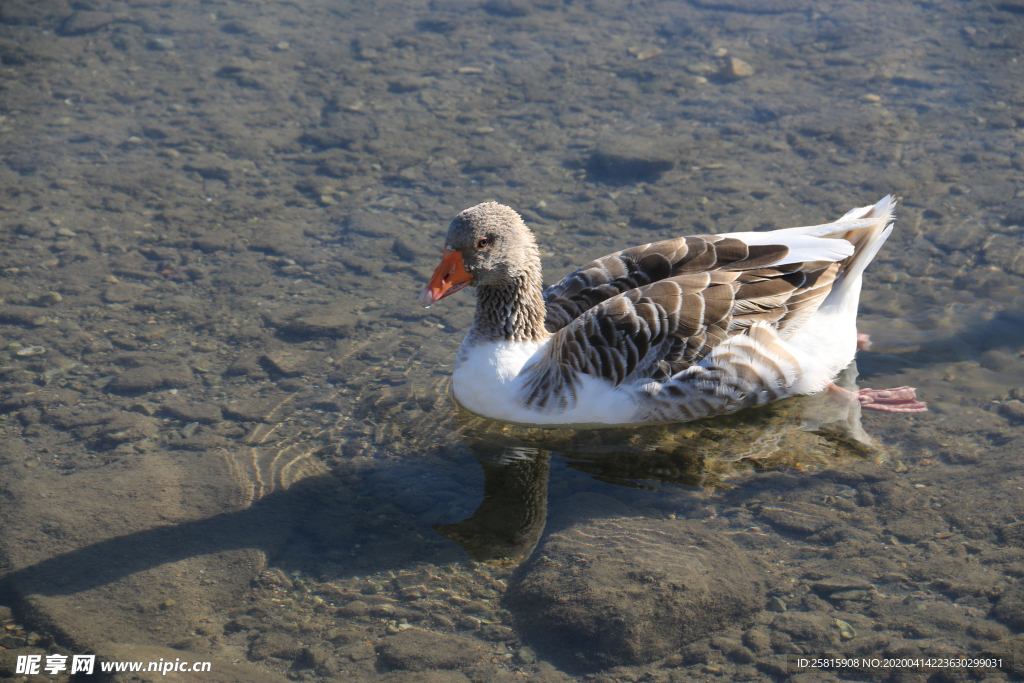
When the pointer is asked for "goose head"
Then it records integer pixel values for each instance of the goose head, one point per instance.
(486, 245)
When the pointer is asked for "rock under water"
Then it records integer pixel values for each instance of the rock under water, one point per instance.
(646, 588)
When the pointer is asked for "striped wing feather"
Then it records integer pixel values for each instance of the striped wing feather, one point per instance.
(657, 310)
(629, 269)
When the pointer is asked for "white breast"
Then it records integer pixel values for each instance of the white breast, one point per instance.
(487, 380)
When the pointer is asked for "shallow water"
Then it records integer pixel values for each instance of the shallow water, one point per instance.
(226, 424)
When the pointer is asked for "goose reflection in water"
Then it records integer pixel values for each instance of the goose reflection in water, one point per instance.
(803, 433)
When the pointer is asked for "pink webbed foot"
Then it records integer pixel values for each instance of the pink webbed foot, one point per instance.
(899, 400)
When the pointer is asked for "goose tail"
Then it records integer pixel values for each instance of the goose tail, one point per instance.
(866, 229)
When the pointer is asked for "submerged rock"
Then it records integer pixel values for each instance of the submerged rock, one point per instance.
(816, 630)
(631, 158)
(1010, 609)
(193, 411)
(274, 644)
(1013, 410)
(416, 650)
(320, 321)
(1006, 253)
(150, 378)
(84, 22)
(648, 588)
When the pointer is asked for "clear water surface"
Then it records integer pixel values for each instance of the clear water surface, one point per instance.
(225, 427)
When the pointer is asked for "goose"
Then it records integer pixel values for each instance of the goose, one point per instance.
(670, 331)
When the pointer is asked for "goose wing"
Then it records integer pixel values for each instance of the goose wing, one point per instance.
(660, 328)
(611, 275)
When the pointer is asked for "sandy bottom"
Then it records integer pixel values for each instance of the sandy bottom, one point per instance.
(224, 426)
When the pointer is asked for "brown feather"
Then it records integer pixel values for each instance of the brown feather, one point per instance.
(657, 310)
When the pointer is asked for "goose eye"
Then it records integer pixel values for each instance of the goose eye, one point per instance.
(482, 244)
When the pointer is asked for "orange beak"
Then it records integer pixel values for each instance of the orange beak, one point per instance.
(450, 277)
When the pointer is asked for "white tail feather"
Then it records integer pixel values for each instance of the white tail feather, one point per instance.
(858, 234)
(869, 238)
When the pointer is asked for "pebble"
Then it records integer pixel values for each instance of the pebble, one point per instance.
(253, 410)
(776, 604)
(52, 374)
(846, 632)
(497, 633)
(470, 623)
(143, 408)
(836, 584)
(288, 363)
(193, 411)
(649, 53)
(161, 44)
(859, 595)
(30, 351)
(356, 608)
(735, 69)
